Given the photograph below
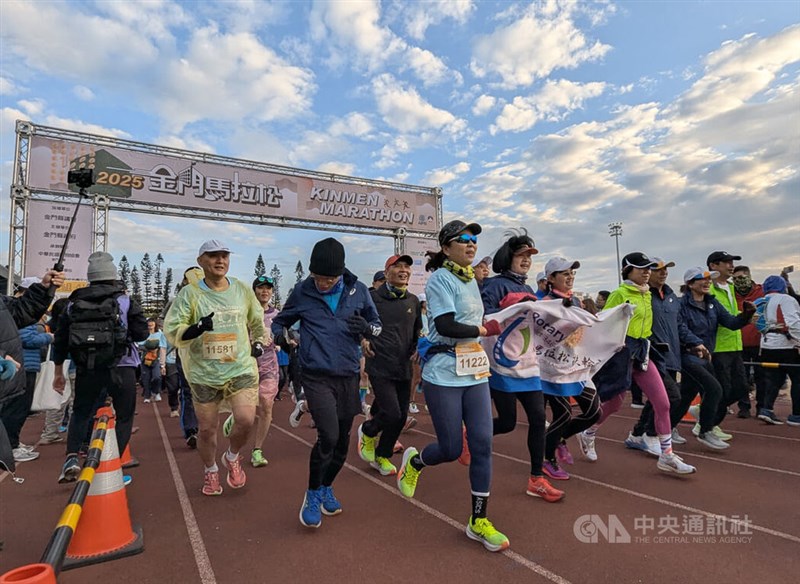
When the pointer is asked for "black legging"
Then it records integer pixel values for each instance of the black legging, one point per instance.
(564, 424)
(698, 375)
(533, 403)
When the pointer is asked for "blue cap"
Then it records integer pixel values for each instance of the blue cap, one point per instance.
(774, 284)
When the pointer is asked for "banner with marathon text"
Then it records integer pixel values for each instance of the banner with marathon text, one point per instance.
(546, 345)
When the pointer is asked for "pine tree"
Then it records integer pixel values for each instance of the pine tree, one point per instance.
(158, 281)
(147, 283)
(275, 274)
(136, 286)
(261, 267)
(167, 286)
(125, 272)
(298, 269)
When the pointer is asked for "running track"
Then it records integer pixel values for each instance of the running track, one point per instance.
(253, 535)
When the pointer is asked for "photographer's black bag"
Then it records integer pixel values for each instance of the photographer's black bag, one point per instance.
(98, 337)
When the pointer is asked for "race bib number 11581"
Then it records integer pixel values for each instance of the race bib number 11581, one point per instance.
(219, 346)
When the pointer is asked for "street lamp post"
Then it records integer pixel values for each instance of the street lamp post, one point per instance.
(615, 231)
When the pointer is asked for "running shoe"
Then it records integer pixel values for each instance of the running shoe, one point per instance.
(694, 411)
(227, 426)
(310, 513)
(743, 414)
(384, 466)
(482, 530)
(541, 487)
(410, 423)
(563, 454)
(637, 405)
(672, 463)
(721, 434)
(27, 447)
(366, 445)
(696, 429)
(677, 438)
(639, 443)
(330, 504)
(236, 476)
(211, 486)
(586, 444)
(257, 458)
(191, 441)
(712, 441)
(653, 445)
(147, 400)
(23, 455)
(408, 476)
(365, 408)
(62, 428)
(174, 413)
(51, 439)
(413, 408)
(793, 420)
(398, 447)
(464, 458)
(769, 417)
(297, 413)
(70, 470)
(157, 398)
(555, 472)
(127, 480)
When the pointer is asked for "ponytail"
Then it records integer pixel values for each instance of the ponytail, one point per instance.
(435, 260)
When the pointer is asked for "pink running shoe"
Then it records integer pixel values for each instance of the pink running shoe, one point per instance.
(211, 486)
(554, 471)
(563, 454)
(236, 476)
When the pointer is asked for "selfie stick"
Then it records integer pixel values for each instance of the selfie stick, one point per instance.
(59, 266)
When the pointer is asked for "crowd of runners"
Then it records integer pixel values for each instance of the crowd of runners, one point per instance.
(221, 347)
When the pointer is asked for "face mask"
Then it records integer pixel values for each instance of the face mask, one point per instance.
(742, 284)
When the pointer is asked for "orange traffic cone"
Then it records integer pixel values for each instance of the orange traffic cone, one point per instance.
(104, 531)
(31, 574)
(688, 417)
(127, 460)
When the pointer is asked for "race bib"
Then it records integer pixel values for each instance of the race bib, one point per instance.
(471, 359)
(219, 346)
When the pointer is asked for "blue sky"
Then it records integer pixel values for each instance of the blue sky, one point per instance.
(680, 119)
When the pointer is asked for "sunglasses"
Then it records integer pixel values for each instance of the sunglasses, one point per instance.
(265, 280)
(465, 239)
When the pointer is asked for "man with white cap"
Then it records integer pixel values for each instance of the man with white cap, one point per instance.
(482, 269)
(541, 285)
(217, 324)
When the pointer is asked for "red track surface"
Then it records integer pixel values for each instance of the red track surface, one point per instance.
(253, 535)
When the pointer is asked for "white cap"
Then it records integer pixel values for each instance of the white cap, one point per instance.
(29, 281)
(559, 264)
(541, 276)
(662, 263)
(698, 274)
(211, 246)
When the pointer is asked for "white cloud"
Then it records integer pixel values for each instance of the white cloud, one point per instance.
(7, 86)
(353, 124)
(553, 103)
(427, 66)
(483, 104)
(545, 38)
(333, 167)
(32, 107)
(404, 109)
(421, 15)
(441, 176)
(83, 93)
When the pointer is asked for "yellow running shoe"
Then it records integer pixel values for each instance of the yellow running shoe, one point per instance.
(408, 476)
(482, 530)
(384, 466)
(366, 445)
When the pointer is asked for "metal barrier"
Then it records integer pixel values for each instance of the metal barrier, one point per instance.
(771, 365)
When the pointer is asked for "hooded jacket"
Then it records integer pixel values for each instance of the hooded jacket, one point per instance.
(326, 344)
(401, 321)
(33, 341)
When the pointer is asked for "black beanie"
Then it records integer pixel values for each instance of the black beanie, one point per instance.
(327, 258)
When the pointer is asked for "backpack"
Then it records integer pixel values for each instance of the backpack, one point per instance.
(98, 337)
(762, 324)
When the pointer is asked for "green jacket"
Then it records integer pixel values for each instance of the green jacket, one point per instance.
(727, 340)
(641, 323)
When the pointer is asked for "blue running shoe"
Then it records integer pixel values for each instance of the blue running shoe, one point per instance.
(310, 514)
(793, 420)
(330, 504)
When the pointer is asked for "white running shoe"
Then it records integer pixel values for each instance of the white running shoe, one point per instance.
(157, 398)
(653, 445)
(22, 455)
(412, 408)
(712, 441)
(696, 430)
(677, 438)
(586, 444)
(694, 411)
(297, 413)
(639, 443)
(672, 463)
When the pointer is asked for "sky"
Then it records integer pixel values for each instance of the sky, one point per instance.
(679, 119)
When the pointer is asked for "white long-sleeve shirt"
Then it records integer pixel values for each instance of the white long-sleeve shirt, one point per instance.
(791, 315)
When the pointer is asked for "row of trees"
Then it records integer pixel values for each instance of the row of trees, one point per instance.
(277, 278)
(148, 283)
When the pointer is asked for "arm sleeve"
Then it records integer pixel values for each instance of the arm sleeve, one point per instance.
(30, 307)
(447, 326)
(614, 299)
(255, 320)
(179, 317)
(137, 323)
(289, 314)
(791, 316)
(370, 313)
(728, 320)
(61, 341)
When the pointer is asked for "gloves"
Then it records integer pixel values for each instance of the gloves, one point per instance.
(7, 369)
(206, 323)
(748, 308)
(492, 328)
(256, 350)
(358, 325)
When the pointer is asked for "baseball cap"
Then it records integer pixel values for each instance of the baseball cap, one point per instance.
(638, 259)
(379, 276)
(211, 246)
(698, 273)
(453, 228)
(721, 256)
(398, 258)
(661, 263)
(541, 276)
(29, 281)
(263, 281)
(560, 264)
(486, 260)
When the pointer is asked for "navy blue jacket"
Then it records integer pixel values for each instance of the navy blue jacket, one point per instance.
(496, 288)
(701, 320)
(33, 341)
(666, 312)
(326, 345)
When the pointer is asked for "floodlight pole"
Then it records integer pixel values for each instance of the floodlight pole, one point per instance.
(615, 231)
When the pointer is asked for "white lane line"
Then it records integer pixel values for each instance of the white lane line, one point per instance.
(673, 504)
(521, 560)
(195, 537)
(770, 436)
(720, 460)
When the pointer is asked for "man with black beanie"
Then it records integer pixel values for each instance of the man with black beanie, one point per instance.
(335, 311)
